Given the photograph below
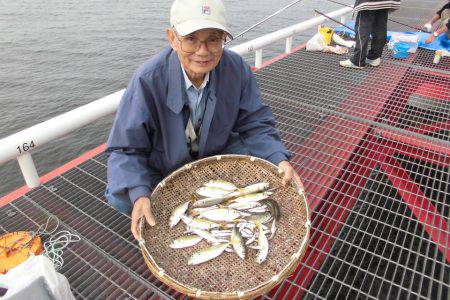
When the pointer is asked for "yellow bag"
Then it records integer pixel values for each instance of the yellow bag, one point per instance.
(327, 33)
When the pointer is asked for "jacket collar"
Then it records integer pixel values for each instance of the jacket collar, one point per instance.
(175, 99)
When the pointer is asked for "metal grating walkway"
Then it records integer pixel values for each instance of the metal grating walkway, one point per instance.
(373, 149)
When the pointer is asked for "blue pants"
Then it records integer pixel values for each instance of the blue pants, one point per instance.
(122, 202)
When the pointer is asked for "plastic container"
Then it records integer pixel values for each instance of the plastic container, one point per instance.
(400, 50)
(407, 37)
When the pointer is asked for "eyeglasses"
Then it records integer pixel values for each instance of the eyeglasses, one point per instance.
(190, 44)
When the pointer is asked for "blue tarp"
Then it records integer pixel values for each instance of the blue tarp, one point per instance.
(441, 43)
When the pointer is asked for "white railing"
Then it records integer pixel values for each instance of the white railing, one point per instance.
(287, 33)
(20, 145)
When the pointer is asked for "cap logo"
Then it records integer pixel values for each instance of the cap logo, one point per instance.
(206, 10)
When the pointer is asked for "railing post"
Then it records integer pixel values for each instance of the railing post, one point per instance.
(28, 169)
(289, 44)
(258, 58)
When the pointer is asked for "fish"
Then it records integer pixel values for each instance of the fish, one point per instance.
(253, 188)
(197, 211)
(243, 205)
(238, 242)
(177, 213)
(211, 192)
(251, 239)
(263, 245)
(199, 223)
(273, 229)
(274, 208)
(254, 247)
(246, 224)
(221, 233)
(207, 254)
(251, 197)
(221, 184)
(206, 235)
(185, 241)
(206, 202)
(221, 215)
(247, 231)
(258, 209)
(259, 218)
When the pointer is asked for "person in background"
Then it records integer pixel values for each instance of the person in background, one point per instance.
(371, 19)
(192, 100)
(444, 15)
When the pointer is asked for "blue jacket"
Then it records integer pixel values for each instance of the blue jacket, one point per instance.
(147, 141)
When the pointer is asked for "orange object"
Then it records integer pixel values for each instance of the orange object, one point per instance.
(16, 247)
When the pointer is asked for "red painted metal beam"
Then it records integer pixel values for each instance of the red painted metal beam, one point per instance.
(416, 142)
(392, 147)
(426, 213)
(327, 219)
(430, 127)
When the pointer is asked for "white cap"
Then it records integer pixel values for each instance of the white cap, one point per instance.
(188, 16)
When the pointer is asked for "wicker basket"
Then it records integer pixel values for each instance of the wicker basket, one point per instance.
(227, 276)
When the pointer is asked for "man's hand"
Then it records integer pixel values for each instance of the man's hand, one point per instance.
(289, 173)
(430, 38)
(141, 208)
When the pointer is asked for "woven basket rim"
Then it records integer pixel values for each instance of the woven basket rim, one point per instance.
(249, 293)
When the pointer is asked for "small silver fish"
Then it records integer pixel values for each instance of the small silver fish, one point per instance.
(197, 211)
(221, 215)
(199, 223)
(254, 247)
(206, 235)
(251, 239)
(274, 208)
(273, 229)
(238, 242)
(252, 197)
(185, 241)
(254, 188)
(244, 205)
(221, 184)
(263, 245)
(259, 209)
(221, 233)
(177, 213)
(207, 254)
(211, 192)
(207, 202)
(259, 218)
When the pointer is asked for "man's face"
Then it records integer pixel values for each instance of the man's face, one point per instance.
(198, 52)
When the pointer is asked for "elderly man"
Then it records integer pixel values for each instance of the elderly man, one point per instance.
(190, 101)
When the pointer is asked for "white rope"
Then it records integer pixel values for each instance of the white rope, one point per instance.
(53, 248)
(56, 244)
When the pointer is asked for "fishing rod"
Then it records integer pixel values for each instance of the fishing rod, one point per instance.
(394, 21)
(262, 21)
(334, 20)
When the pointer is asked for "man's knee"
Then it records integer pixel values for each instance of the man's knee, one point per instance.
(120, 202)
